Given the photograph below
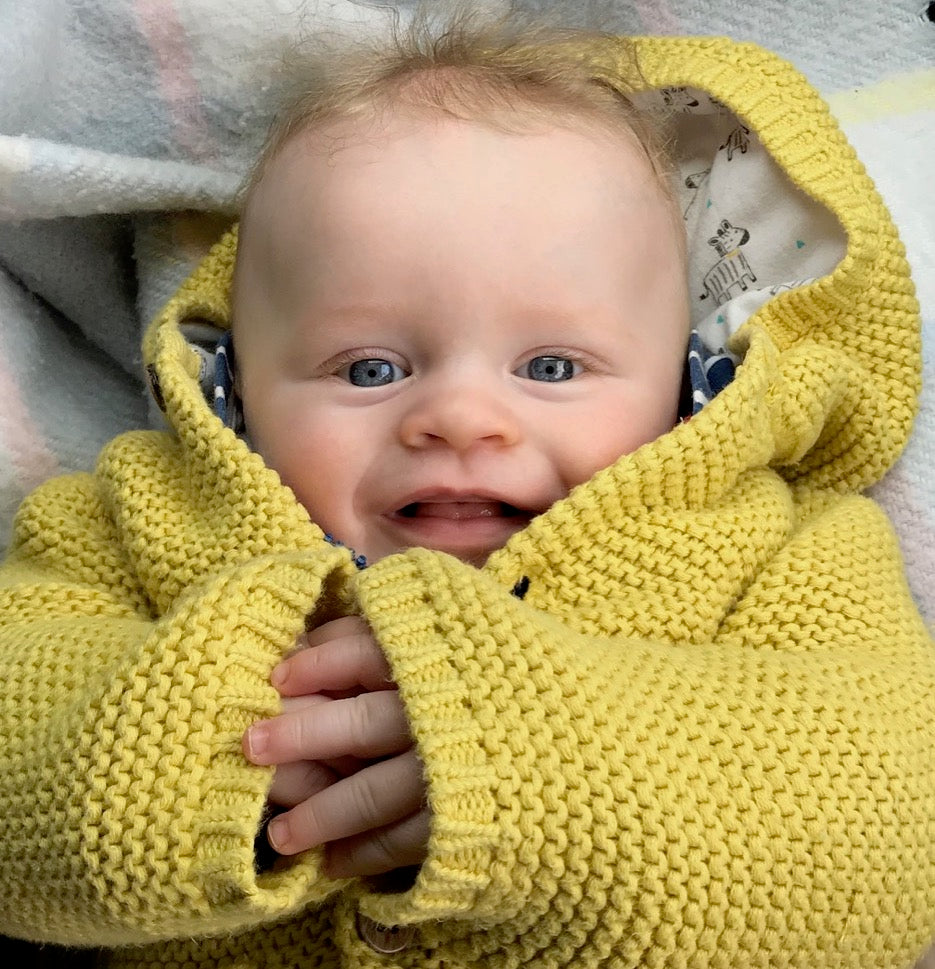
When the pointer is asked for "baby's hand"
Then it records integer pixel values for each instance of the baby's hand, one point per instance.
(345, 718)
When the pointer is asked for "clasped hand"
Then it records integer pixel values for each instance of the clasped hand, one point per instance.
(346, 768)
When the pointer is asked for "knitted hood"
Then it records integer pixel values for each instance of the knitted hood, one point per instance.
(795, 268)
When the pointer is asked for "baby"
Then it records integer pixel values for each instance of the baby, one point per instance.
(452, 304)
(613, 689)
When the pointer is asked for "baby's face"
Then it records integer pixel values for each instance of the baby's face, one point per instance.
(442, 328)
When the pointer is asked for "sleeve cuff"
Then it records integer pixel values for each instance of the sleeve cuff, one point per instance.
(170, 757)
(411, 625)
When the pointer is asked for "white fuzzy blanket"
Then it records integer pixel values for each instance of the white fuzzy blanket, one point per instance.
(126, 125)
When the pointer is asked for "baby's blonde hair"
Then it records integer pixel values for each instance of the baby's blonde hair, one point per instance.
(506, 71)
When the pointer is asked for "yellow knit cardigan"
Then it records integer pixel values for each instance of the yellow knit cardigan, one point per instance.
(704, 737)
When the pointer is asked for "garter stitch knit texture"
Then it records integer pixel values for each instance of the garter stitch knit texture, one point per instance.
(703, 737)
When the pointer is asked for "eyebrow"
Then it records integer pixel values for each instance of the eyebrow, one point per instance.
(350, 313)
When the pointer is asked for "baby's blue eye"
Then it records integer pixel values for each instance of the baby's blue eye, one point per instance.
(549, 368)
(374, 373)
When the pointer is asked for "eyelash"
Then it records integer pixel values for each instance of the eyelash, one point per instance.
(376, 366)
(577, 368)
(583, 361)
(334, 366)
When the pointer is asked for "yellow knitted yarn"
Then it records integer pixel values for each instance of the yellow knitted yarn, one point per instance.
(704, 738)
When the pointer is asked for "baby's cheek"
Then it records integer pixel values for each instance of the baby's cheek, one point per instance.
(284, 454)
(608, 438)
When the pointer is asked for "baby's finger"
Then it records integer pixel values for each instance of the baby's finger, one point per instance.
(374, 852)
(336, 629)
(342, 766)
(372, 798)
(291, 704)
(366, 726)
(296, 782)
(354, 660)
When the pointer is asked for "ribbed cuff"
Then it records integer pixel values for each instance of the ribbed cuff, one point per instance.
(404, 600)
(184, 843)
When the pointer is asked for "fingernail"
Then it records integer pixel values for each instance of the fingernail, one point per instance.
(277, 833)
(257, 741)
(279, 675)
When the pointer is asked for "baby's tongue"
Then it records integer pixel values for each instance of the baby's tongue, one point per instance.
(455, 510)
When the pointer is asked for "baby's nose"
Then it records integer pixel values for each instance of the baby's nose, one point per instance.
(462, 417)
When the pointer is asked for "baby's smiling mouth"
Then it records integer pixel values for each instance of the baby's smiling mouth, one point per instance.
(469, 526)
(462, 510)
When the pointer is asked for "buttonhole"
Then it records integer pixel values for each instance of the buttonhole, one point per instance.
(521, 587)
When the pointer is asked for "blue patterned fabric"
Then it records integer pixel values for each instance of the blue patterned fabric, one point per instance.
(709, 372)
(225, 402)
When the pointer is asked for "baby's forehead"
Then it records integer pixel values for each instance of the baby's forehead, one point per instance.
(330, 142)
(325, 177)
(330, 182)
(324, 173)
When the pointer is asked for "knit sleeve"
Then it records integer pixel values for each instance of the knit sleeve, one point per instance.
(763, 798)
(127, 810)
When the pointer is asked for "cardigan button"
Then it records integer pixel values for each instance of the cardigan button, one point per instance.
(385, 939)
